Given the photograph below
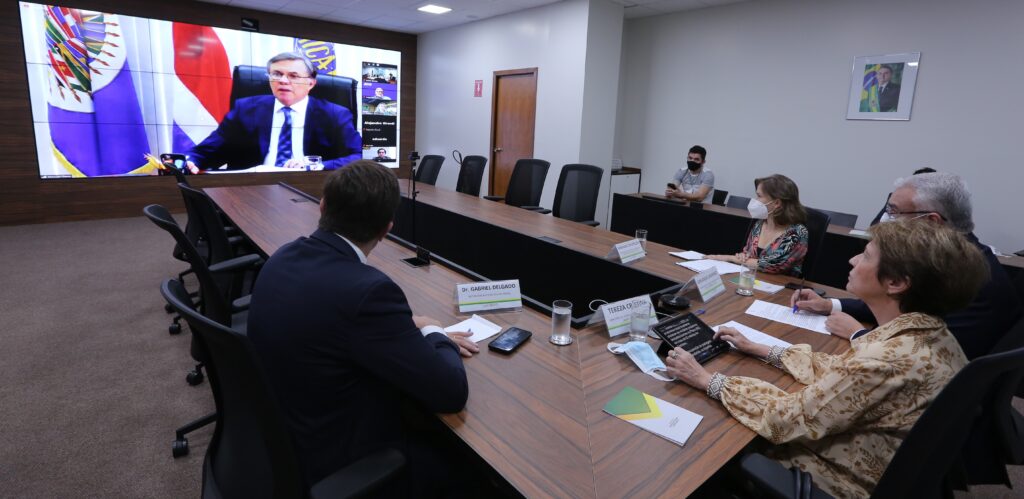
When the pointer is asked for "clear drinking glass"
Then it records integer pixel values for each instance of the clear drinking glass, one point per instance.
(561, 315)
(745, 285)
(314, 163)
(641, 234)
(639, 322)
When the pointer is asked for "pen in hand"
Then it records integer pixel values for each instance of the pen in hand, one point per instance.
(800, 287)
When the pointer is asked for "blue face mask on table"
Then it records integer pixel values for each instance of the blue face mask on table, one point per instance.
(643, 356)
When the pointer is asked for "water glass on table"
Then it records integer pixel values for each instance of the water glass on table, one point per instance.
(641, 234)
(745, 283)
(561, 316)
(639, 322)
(314, 163)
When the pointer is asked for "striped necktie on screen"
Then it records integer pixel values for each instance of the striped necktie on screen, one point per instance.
(284, 142)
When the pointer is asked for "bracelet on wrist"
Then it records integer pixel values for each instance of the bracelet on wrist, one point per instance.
(714, 389)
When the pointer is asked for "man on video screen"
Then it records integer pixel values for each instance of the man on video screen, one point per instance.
(281, 129)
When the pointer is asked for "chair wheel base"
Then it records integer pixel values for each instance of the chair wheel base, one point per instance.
(179, 447)
(174, 328)
(168, 309)
(194, 377)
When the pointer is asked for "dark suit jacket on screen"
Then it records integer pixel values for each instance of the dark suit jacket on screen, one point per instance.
(982, 323)
(343, 355)
(243, 137)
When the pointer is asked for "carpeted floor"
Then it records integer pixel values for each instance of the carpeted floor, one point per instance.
(92, 385)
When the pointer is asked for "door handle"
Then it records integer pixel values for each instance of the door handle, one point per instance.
(497, 149)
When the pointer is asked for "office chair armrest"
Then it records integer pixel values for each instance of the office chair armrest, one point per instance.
(592, 223)
(241, 304)
(538, 209)
(494, 198)
(772, 479)
(244, 262)
(360, 477)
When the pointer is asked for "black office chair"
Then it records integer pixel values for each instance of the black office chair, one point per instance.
(817, 225)
(719, 197)
(526, 184)
(213, 301)
(928, 462)
(1018, 283)
(429, 169)
(471, 174)
(737, 202)
(251, 454)
(576, 194)
(1005, 425)
(840, 218)
(247, 81)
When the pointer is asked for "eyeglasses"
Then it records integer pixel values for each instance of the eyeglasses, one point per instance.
(895, 212)
(291, 77)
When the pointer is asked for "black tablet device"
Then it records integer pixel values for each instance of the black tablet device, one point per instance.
(692, 334)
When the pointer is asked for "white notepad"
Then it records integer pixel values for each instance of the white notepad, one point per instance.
(785, 315)
(480, 327)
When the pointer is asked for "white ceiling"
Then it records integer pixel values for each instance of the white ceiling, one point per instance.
(401, 15)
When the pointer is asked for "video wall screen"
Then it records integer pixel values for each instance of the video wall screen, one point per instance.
(111, 95)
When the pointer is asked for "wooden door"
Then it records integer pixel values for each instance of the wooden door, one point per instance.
(513, 114)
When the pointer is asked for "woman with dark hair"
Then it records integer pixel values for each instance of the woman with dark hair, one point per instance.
(845, 426)
(777, 242)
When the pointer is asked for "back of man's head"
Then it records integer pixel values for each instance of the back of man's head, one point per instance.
(942, 193)
(360, 200)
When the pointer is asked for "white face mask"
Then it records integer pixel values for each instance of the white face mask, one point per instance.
(757, 209)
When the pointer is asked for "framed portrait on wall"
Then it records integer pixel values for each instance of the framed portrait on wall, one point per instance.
(882, 86)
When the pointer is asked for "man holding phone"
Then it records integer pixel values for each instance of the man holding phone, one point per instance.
(695, 182)
(354, 370)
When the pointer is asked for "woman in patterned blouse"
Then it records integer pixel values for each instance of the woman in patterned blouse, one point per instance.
(777, 242)
(845, 426)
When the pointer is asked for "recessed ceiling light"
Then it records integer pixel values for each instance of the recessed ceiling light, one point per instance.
(434, 9)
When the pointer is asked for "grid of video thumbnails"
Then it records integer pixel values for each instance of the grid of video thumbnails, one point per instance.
(380, 113)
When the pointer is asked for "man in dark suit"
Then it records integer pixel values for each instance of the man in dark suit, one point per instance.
(281, 129)
(888, 92)
(342, 350)
(944, 199)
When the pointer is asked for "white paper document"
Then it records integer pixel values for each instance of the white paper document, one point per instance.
(785, 315)
(687, 255)
(754, 335)
(480, 327)
(701, 265)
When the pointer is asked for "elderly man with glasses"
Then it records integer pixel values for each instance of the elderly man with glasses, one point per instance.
(941, 198)
(281, 129)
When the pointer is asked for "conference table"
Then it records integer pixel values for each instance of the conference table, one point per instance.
(535, 416)
(714, 229)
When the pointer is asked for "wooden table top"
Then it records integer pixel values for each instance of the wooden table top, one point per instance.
(536, 416)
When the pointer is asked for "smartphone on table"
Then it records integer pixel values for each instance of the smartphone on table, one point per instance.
(509, 340)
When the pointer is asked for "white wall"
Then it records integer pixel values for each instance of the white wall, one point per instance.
(763, 85)
(552, 38)
(600, 94)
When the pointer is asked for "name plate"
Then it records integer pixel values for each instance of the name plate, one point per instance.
(493, 295)
(709, 283)
(628, 251)
(691, 334)
(616, 315)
